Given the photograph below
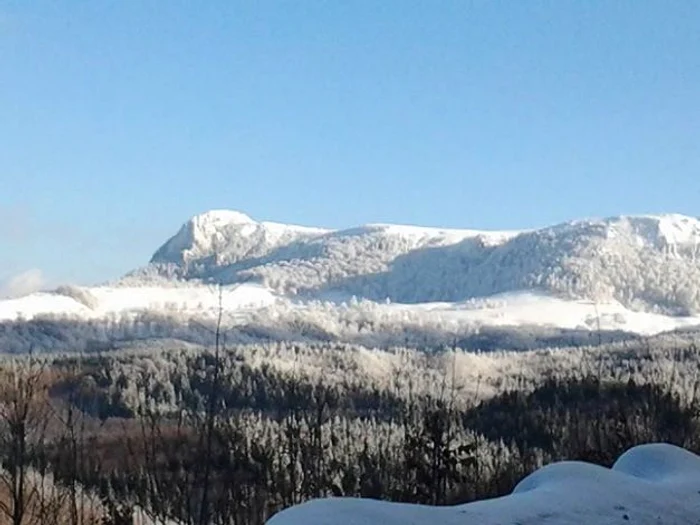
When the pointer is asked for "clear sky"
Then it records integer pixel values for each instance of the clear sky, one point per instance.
(121, 119)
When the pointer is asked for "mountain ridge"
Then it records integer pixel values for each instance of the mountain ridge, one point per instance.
(646, 262)
(384, 283)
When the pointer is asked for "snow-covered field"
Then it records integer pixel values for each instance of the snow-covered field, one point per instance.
(102, 301)
(239, 301)
(532, 309)
(655, 484)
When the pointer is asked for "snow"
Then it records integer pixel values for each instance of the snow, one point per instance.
(678, 229)
(189, 298)
(35, 304)
(215, 218)
(197, 300)
(538, 309)
(644, 262)
(280, 228)
(649, 484)
(516, 309)
(444, 235)
(227, 236)
(637, 274)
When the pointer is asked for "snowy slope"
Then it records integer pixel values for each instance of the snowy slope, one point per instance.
(643, 262)
(652, 484)
(221, 237)
(103, 301)
(635, 274)
(537, 309)
(248, 300)
(40, 303)
(228, 246)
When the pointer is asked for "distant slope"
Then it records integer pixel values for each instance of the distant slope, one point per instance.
(108, 301)
(632, 275)
(644, 262)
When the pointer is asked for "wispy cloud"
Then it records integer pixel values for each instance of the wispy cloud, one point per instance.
(23, 283)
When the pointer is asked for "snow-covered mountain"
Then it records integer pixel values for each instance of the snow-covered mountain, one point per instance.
(223, 237)
(643, 262)
(638, 274)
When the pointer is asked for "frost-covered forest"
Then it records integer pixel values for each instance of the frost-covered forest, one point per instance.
(360, 322)
(192, 434)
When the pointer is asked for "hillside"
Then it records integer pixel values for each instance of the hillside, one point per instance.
(389, 284)
(644, 262)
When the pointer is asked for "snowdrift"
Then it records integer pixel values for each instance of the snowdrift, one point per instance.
(649, 484)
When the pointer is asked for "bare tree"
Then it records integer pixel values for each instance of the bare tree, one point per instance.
(23, 422)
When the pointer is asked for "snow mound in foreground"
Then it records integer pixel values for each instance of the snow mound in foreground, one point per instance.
(649, 484)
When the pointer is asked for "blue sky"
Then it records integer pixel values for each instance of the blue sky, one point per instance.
(122, 119)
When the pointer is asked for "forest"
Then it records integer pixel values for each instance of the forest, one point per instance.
(231, 434)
